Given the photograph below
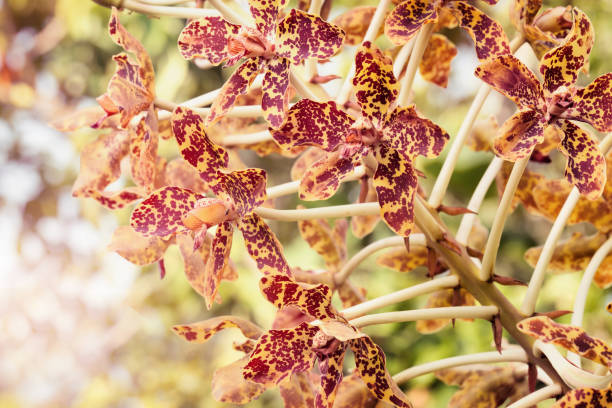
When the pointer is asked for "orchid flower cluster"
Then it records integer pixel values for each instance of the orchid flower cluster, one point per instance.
(199, 198)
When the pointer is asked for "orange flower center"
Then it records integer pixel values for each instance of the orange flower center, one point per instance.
(208, 212)
(250, 43)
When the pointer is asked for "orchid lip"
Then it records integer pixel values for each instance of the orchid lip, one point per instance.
(208, 212)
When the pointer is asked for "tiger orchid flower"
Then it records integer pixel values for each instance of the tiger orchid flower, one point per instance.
(273, 45)
(281, 353)
(408, 17)
(554, 103)
(173, 211)
(395, 136)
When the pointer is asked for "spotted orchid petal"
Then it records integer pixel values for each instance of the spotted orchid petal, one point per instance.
(228, 385)
(275, 100)
(195, 147)
(323, 179)
(370, 364)
(355, 23)
(593, 104)
(435, 64)
(137, 249)
(407, 18)
(522, 12)
(376, 88)
(283, 291)
(113, 200)
(101, 163)
(207, 38)
(263, 246)
(301, 35)
(519, 135)
(330, 367)
(585, 398)
(485, 385)
(362, 225)
(404, 261)
(179, 173)
(574, 255)
(560, 66)
(201, 331)
(310, 123)
(443, 298)
(236, 85)
(266, 14)
(571, 338)
(195, 263)
(411, 134)
(509, 76)
(127, 93)
(353, 393)
(303, 163)
(245, 188)
(143, 152)
(396, 183)
(280, 353)
(324, 240)
(488, 35)
(297, 391)
(162, 213)
(526, 192)
(84, 117)
(586, 166)
(217, 261)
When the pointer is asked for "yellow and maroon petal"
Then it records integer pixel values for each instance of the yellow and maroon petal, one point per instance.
(320, 237)
(217, 261)
(330, 367)
(323, 179)
(228, 385)
(571, 338)
(312, 123)
(585, 398)
(362, 225)
(519, 135)
(411, 134)
(143, 152)
(374, 83)
(207, 38)
(297, 391)
(280, 353)
(560, 66)
(489, 37)
(355, 23)
(370, 364)
(593, 104)
(522, 12)
(162, 212)
(124, 39)
(196, 148)
(407, 18)
(263, 246)
(275, 99)
(137, 249)
(301, 35)
(435, 64)
(127, 90)
(396, 183)
(179, 173)
(509, 76)
(266, 14)
(236, 85)
(586, 166)
(101, 163)
(403, 261)
(246, 189)
(200, 332)
(283, 291)
(112, 200)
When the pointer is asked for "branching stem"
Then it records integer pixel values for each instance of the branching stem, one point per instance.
(338, 211)
(293, 186)
(535, 397)
(365, 252)
(418, 50)
(452, 312)
(537, 278)
(499, 222)
(515, 354)
(444, 282)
